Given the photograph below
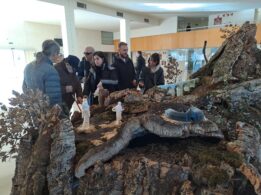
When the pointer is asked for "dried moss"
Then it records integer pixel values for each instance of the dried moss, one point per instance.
(106, 116)
(82, 148)
(232, 158)
(141, 103)
(215, 155)
(215, 176)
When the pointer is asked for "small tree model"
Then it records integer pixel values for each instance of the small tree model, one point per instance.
(172, 70)
(22, 119)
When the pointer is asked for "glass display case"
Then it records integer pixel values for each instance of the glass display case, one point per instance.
(178, 64)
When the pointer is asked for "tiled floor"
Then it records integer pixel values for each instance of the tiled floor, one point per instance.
(6, 174)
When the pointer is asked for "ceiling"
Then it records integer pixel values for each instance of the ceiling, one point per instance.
(164, 8)
(90, 20)
(42, 12)
(46, 13)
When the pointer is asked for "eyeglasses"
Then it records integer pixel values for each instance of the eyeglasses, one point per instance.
(60, 54)
(87, 53)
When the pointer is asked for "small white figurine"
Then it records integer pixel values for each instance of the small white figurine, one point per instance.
(186, 87)
(179, 90)
(99, 87)
(85, 114)
(171, 91)
(118, 109)
(192, 83)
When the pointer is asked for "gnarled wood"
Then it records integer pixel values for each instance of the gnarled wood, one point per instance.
(134, 127)
(60, 174)
(169, 128)
(108, 150)
(235, 59)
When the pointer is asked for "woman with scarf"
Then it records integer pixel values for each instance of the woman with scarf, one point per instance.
(152, 75)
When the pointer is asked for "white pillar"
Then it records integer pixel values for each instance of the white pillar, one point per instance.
(257, 16)
(125, 32)
(68, 29)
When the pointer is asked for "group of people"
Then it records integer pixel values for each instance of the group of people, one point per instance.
(60, 79)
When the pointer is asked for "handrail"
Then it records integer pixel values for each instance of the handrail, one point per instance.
(211, 26)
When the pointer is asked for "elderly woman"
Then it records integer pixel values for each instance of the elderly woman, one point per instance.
(70, 85)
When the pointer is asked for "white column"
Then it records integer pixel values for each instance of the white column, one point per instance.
(257, 17)
(68, 29)
(125, 32)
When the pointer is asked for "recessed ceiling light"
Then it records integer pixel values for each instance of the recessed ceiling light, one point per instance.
(175, 6)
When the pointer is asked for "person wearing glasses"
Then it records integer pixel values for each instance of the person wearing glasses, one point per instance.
(86, 63)
(125, 68)
(41, 74)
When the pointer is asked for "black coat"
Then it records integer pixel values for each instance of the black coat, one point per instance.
(151, 79)
(126, 72)
(67, 78)
(106, 74)
(140, 65)
(84, 68)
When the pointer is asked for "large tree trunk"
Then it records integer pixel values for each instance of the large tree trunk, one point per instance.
(150, 152)
(60, 173)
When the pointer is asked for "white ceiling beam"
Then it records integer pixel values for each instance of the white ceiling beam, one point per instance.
(57, 2)
(91, 7)
(113, 12)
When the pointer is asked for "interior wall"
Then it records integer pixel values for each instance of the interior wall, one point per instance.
(233, 17)
(194, 22)
(91, 38)
(192, 39)
(36, 33)
(167, 26)
(30, 35)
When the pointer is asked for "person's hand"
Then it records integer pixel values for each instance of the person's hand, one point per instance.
(79, 100)
(83, 79)
(69, 88)
(100, 86)
(134, 82)
(141, 84)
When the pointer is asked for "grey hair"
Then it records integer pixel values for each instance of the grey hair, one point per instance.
(50, 48)
(90, 48)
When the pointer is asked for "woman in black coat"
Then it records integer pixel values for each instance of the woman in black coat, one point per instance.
(152, 75)
(100, 72)
(70, 85)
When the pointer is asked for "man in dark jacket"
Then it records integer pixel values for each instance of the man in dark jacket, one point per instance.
(86, 63)
(40, 74)
(140, 63)
(70, 85)
(125, 68)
